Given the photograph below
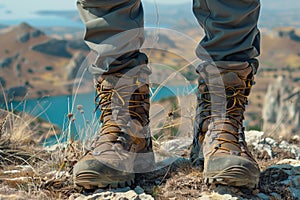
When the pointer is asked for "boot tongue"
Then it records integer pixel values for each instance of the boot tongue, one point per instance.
(233, 80)
(224, 137)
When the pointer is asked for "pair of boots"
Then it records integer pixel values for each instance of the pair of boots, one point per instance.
(124, 147)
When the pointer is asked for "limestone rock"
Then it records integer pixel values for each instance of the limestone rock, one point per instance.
(12, 197)
(281, 112)
(218, 197)
(267, 145)
(117, 194)
(175, 146)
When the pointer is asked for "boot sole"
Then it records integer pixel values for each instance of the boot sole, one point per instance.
(92, 180)
(236, 176)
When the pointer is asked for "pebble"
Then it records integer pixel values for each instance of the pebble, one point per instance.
(139, 190)
(263, 196)
(271, 142)
(275, 195)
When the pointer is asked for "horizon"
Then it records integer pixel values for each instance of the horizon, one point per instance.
(12, 9)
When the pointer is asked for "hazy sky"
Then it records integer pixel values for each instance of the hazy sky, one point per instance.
(13, 9)
(18, 9)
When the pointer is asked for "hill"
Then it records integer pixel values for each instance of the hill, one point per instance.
(34, 64)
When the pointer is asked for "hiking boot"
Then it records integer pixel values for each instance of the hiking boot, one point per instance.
(202, 112)
(220, 133)
(123, 146)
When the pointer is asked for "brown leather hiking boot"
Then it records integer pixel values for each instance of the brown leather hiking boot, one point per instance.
(219, 136)
(123, 146)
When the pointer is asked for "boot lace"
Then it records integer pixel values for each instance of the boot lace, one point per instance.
(124, 101)
(236, 101)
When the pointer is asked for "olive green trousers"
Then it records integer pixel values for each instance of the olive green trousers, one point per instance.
(115, 31)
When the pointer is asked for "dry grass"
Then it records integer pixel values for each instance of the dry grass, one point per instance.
(27, 168)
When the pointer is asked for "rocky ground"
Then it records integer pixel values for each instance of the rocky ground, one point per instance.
(280, 177)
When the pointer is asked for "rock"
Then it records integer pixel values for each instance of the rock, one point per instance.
(12, 197)
(293, 162)
(296, 138)
(280, 178)
(295, 193)
(262, 196)
(281, 111)
(145, 197)
(271, 142)
(139, 190)
(117, 194)
(216, 196)
(291, 148)
(275, 195)
(266, 146)
(253, 137)
(176, 145)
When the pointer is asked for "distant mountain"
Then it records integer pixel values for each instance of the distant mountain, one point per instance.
(35, 64)
(70, 14)
(280, 5)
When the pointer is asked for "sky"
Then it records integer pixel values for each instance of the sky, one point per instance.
(14, 9)
(20, 9)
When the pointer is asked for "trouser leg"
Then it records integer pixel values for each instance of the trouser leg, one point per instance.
(230, 26)
(115, 32)
(232, 42)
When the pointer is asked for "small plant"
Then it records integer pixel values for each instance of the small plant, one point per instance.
(30, 71)
(49, 68)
